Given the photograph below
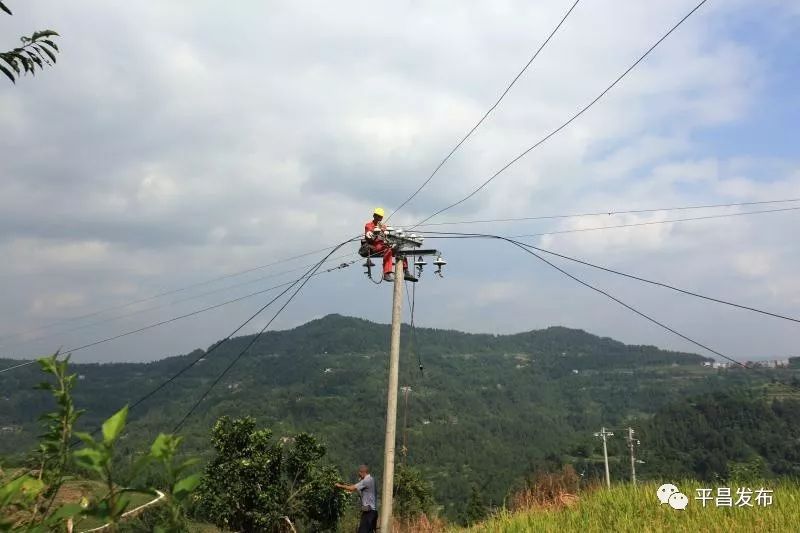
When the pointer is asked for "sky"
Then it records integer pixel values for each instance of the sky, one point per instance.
(178, 142)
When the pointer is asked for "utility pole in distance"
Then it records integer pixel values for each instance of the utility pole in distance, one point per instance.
(604, 434)
(631, 444)
(403, 246)
(404, 449)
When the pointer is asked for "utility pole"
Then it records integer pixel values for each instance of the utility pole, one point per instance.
(631, 443)
(404, 449)
(397, 239)
(391, 401)
(604, 434)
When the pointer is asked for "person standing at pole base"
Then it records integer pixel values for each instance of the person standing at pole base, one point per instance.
(368, 495)
(376, 245)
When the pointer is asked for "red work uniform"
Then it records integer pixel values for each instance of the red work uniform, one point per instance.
(371, 235)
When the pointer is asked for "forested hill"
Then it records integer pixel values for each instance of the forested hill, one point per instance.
(486, 409)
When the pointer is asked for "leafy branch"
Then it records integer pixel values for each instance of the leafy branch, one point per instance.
(35, 52)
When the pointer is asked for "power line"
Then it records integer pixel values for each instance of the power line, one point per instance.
(455, 235)
(176, 318)
(154, 308)
(542, 217)
(665, 285)
(306, 277)
(521, 246)
(656, 222)
(486, 115)
(568, 122)
(645, 316)
(624, 274)
(606, 213)
(525, 247)
(172, 291)
(445, 235)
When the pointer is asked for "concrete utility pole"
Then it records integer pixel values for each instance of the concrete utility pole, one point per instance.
(391, 406)
(398, 240)
(631, 444)
(603, 434)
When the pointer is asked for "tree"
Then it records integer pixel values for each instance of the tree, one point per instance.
(477, 508)
(413, 494)
(36, 51)
(255, 483)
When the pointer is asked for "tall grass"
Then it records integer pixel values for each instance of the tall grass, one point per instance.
(624, 508)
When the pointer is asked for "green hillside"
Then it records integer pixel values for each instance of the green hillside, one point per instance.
(486, 410)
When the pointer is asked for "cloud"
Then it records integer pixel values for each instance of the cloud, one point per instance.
(176, 142)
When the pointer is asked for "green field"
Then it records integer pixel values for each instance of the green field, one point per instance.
(625, 509)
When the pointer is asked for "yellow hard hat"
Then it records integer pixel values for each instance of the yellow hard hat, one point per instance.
(378, 211)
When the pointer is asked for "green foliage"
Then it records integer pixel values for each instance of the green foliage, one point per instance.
(747, 472)
(35, 52)
(477, 508)
(97, 457)
(28, 498)
(723, 436)
(413, 494)
(178, 485)
(256, 484)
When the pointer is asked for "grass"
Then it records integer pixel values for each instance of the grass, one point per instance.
(626, 509)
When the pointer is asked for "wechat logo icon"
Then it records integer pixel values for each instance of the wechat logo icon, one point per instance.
(671, 495)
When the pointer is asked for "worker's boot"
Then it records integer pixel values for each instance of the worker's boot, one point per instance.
(388, 277)
(408, 276)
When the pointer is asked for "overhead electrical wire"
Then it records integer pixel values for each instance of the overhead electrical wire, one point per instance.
(169, 292)
(606, 213)
(627, 306)
(451, 235)
(527, 249)
(580, 112)
(465, 222)
(161, 306)
(620, 273)
(179, 317)
(488, 112)
(456, 235)
(306, 277)
(522, 246)
(665, 285)
(656, 222)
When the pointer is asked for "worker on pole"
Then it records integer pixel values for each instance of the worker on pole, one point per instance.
(373, 238)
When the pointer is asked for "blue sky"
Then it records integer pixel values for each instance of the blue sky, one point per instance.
(177, 142)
